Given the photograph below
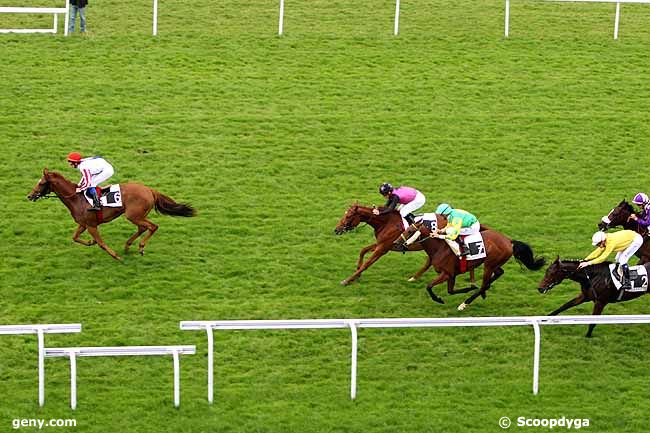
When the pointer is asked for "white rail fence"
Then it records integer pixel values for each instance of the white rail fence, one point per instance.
(40, 331)
(616, 18)
(354, 324)
(73, 352)
(36, 10)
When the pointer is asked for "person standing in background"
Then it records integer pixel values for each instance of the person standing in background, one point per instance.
(80, 7)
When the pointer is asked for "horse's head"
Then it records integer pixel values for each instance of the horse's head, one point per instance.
(42, 188)
(617, 216)
(556, 273)
(350, 220)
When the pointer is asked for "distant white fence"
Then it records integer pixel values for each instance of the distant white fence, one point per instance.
(73, 352)
(616, 19)
(40, 330)
(36, 10)
(353, 324)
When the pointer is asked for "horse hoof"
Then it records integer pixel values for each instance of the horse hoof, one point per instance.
(462, 306)
(412, 279)
(345, 282)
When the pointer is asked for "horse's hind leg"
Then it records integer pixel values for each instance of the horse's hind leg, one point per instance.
(143, 225)
(129, 241)
(489, 276)
(78, 232)
(95, 234)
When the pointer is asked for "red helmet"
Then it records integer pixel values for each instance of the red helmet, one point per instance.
(74, 157)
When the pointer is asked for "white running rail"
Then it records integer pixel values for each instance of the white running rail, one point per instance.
(353, 324)
(40, 330)
(35, 10)
(73, 352)
(616, 18)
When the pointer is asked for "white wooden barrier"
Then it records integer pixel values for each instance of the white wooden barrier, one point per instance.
(616, 19)
(73, 352)
(353, 324)
(36, 10)
(40, 330)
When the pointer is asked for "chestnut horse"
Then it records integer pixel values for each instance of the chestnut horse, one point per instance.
(388, 227)
(498, 247)
(137, 202)
(595, 281)
(620, 216)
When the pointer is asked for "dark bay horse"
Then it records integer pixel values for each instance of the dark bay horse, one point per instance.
(498, 247)
(595, 281)
(137, 201)
(620, 216)
(388, 228)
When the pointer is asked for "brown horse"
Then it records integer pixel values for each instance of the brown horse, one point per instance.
(388, 228)
(137, 202)
(620, 216)
(595, 281)
(498, 247)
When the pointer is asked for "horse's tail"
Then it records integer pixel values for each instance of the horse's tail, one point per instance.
(167, 206)
(524, 254)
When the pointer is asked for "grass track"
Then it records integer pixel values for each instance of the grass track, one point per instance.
(270, 139)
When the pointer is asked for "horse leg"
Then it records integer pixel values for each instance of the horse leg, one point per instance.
(147, 225)
(472, 279)
(439, 279)
(424, 268)
(94, 232)
(598, 308)
(78, 232)
(489, 276)
(363, 252)
(572, 303)
(129, 241)
(379, 251)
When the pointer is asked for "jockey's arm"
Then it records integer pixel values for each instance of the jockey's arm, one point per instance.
(599, 255)
(391, 204)
(452, 229)
(644, 218)
(85, 180)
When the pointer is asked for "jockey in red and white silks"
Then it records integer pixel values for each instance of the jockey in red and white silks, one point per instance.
(94, 170)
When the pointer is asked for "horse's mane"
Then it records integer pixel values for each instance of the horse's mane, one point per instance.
(627, 206)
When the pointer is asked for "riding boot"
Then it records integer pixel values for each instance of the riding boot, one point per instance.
(96, 204)
(410, 218)
(625, 281)
(462, 248)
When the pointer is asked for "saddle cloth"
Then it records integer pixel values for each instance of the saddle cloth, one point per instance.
(111, 196)
(475, 246)
(428, 219)
(638, 277)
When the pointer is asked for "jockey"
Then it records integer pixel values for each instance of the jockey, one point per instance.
(643, 201)
(459, 223)
(404, 198)
(94, 170)
(624, 242)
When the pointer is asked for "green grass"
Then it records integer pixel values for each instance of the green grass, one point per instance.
(271, 138)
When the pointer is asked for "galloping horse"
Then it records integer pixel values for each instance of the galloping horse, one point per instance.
(137, 202)
(388, 227)
(498, 248)
(620, 216)
(595, 281)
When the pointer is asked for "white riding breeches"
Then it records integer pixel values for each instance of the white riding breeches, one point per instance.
(102, 176)
(622, 257)
(473, 229)
(412, 206)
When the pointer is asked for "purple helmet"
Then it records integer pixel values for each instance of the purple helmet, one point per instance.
(641, 198)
